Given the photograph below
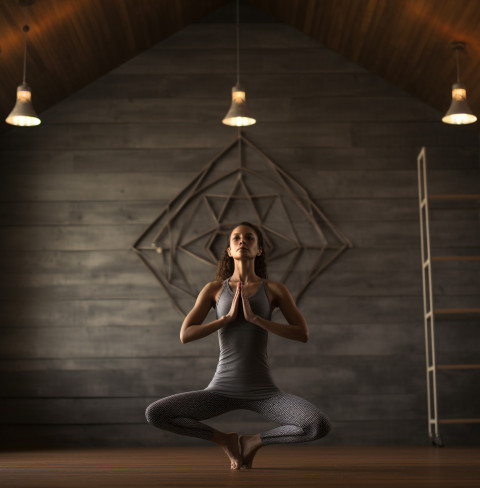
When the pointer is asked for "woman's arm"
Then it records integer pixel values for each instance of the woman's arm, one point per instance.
(297, 329)
(192, 327)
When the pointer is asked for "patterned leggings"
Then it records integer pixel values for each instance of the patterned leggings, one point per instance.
(181, 413)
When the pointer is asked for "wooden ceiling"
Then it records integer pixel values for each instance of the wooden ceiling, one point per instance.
(73, 42)
(406, 42)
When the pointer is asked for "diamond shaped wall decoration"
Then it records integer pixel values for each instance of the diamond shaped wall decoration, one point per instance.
(181, 247)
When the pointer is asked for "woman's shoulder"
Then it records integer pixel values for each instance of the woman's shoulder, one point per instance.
(276, 288)
(212, 289)
(275, 284)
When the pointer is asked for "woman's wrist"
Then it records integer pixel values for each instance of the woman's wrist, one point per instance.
(255, 319)
(225, 319)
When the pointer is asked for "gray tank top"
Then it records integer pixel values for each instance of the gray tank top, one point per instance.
(243, 370)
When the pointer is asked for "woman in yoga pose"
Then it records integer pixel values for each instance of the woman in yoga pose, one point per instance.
(244, 300)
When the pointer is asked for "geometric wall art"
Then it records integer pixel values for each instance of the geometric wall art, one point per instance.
(182, 246)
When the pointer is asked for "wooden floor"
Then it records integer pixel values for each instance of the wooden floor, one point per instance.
(276, 466)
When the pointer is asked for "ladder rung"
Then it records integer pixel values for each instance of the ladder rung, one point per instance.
(430, 368)
(465, 196)
(447, 311)
(459, 421)
(458, 366)
(426, 263)
(456, 258)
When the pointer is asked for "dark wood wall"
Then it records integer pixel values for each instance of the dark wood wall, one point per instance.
(88, 339)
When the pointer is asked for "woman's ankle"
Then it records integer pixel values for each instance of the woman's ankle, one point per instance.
(253, 440)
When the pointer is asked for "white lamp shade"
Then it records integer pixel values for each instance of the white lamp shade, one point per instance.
(23, 114)
(238, 115)
(459, 112)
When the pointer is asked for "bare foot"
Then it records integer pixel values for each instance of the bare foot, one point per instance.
(249, 444)
(231, 445)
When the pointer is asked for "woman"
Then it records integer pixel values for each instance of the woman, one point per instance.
(244, 300)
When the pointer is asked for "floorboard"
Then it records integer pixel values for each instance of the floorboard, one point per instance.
(275, 466)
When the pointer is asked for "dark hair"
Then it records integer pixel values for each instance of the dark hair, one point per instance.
(226, 264)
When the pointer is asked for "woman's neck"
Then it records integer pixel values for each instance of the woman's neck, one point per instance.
(244, 272)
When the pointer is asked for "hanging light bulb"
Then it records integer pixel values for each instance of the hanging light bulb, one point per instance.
(238, 115)
(23, 114)
(459, 112)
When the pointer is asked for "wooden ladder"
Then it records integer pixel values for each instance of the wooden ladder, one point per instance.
(430, 313)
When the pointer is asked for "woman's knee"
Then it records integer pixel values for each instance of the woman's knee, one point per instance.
(320, 427)
(156, 413)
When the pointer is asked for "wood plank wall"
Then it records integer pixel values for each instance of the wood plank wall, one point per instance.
(88, 339)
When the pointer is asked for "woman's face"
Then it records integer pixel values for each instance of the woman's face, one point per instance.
(243, 243)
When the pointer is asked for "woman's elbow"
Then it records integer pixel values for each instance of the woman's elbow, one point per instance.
(305, 336)
(300, 334)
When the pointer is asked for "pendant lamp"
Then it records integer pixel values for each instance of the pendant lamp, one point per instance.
(459, 112)
(23, 114)
(238, 115)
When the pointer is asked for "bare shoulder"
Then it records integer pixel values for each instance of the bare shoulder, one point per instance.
(283, 299)
(276, 287)
(277, 292)
(211, 290)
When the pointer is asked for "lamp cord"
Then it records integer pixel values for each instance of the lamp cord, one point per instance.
(25, 30)
(458, 65)
(238, 44)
